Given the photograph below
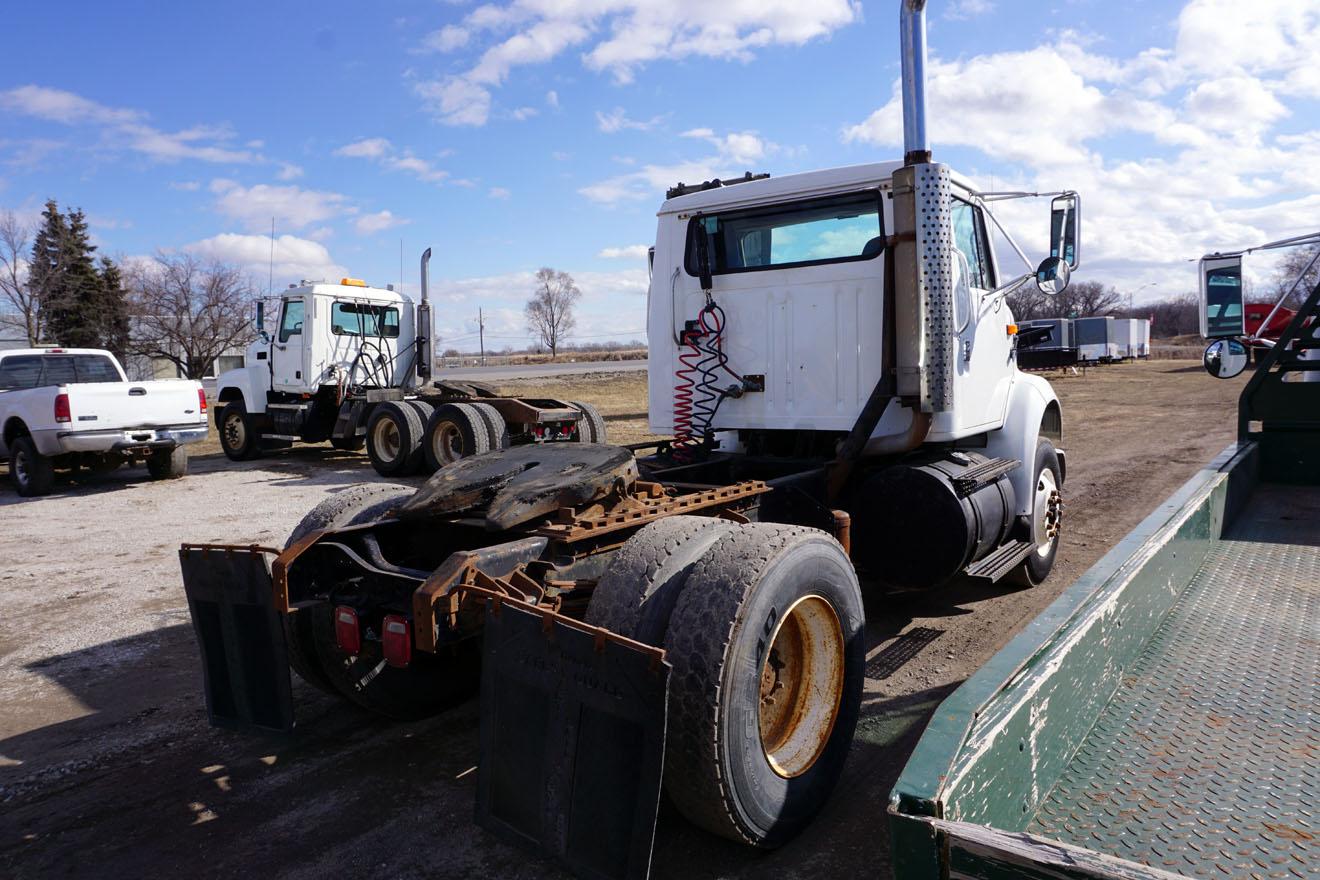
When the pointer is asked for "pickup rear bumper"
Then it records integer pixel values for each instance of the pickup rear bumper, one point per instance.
(119, 440)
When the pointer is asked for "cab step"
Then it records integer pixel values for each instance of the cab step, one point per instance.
(1001, 561)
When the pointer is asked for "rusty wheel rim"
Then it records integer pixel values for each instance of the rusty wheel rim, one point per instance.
(386, 439)
(447, 442)
(801, 686)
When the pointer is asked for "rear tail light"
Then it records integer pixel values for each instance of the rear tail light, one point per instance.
(201, 400)
(62, 412)
(396, 640)
(348, 635)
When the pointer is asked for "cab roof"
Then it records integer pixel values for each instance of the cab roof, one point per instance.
(803, 184)
(345, 291)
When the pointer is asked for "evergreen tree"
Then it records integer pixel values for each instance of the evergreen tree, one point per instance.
(75, 306)
(45, 266)
(113, 309)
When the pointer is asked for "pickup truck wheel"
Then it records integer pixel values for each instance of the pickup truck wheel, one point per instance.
(166, 464)
(496, 428)
(636, 595)
(455, 431)
(337, 510)
(768, 653)
(394, 439)
(32, 473)
(1046, 519)
(591, 427)
(238, 436)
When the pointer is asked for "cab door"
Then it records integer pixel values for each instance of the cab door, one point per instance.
(288, 351)
(983, 373)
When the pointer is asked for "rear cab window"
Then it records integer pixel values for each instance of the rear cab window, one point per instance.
(832, 229)
(364, 319)
(41, 370)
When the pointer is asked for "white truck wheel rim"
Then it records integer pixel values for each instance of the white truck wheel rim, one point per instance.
(235, 431)
(448, 442)
(386, 439)
(1048, 511)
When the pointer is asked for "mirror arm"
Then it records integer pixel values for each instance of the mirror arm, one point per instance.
(1004, 290)
(1004, 232)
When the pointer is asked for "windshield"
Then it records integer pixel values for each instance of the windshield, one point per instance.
(834, 229)
(360, 319)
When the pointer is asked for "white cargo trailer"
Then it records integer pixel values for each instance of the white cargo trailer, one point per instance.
(1096, 340)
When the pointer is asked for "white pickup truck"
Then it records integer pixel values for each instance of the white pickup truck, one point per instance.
(74, 408)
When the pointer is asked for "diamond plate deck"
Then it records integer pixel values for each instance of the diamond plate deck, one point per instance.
(1206, 762)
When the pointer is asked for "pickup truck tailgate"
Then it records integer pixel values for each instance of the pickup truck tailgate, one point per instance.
(101, 406)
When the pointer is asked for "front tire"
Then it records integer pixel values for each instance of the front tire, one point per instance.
(1045, 519)
(768, 652)
(32, 473)
(238, 433)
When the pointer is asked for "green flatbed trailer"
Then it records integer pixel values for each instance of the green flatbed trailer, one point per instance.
(1162, 717)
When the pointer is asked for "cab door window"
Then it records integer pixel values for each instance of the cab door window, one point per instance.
(970, 239)
(292, 322)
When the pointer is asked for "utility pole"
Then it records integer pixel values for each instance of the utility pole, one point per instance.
(481, 335)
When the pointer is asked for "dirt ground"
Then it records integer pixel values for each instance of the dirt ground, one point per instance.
(108, 768)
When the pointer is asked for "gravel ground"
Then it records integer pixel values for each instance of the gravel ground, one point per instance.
(107, 767)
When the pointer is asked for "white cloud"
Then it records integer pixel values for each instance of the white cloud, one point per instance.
(733, 153)
(617, 120)
(125, 128)
(561, 156)
(619, 37)
(365, 148)
(963, 9)
(294, 258)
(289, 171)
(370, 224)
(291, 206)
(630, 252)
(447, 39)
(382, 152)
(1175, 150)
(499, 192)
(524, 113)
(552, 99)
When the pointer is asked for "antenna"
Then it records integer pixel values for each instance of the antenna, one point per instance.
(400, 265)
(270, 279)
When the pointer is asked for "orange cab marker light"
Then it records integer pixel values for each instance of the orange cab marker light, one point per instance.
(1012, 329)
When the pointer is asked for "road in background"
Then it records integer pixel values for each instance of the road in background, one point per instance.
(536, 371)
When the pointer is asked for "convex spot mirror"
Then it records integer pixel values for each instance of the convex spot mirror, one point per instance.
(1066, 228)
(1052, 276)
(1225, 358)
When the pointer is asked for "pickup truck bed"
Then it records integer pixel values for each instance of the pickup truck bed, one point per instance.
(1162, 717)
(1205, 759)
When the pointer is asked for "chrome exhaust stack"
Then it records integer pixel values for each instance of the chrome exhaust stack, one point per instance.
(423, 329)
(912, 36)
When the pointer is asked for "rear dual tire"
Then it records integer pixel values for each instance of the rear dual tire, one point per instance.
(765, 636)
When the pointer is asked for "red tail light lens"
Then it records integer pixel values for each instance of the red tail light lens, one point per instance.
(396, 640)
(348, 635)
(62, 413)
(201, 400)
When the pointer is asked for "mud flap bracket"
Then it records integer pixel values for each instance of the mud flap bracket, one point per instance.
(572, 740)
(244, 659)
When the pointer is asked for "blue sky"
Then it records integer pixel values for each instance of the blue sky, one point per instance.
(509, 136)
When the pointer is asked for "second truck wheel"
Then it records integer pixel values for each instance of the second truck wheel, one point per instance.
(455, 430)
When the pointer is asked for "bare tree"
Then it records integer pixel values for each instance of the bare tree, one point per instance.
(550, 310)
(1293, 263)
(189, 312)
(21, 298)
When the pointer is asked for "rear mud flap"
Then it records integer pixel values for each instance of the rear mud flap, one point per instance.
(244, 659)
(572, 741)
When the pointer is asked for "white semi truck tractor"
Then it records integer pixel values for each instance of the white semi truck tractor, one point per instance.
(352, 364)
(832, 355)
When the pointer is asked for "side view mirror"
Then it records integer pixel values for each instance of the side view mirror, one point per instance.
(1225, 358)
(1052, 276)
(1223, 306)
(1066, 228)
